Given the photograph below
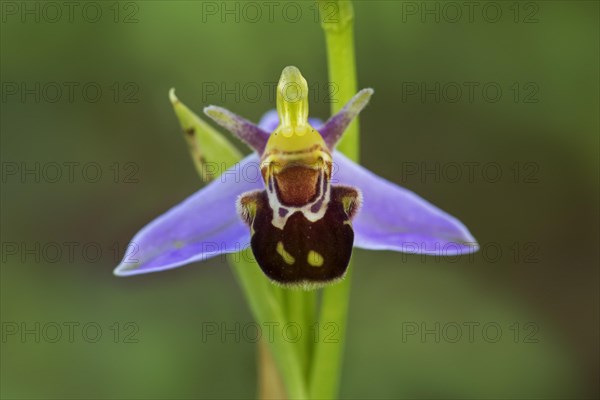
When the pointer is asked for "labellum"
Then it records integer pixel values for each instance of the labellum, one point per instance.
(301, 229)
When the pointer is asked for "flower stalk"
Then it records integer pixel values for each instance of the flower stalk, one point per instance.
(266, 311)
(341, 62)
(327, 360)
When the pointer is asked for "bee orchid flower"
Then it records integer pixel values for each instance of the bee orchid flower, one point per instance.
(297, 202)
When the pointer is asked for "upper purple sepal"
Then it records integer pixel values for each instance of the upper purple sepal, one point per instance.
(257, 136)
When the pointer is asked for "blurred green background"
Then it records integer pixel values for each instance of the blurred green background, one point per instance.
(538, 222)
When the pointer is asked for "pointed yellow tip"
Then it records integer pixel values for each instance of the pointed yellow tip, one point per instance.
(291, 74)
(172, 97)
(294, 132)
(292, 87)
(292, 101)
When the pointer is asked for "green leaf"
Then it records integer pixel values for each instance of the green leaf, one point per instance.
(211, 152)
(267, 310)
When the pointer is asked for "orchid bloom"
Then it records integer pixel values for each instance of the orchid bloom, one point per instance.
(306, 209)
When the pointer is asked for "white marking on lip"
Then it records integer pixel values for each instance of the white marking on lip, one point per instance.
(275, 204)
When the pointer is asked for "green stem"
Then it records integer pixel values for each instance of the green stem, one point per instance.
(327, 359)
(301, 313)
(268, 312)
(339, 37)
(310, 304)
(296, 317)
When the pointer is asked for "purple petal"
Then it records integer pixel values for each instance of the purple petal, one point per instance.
(334, 127)
(252, 135)
(393, 218)
(270, 120)
(206, 224)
